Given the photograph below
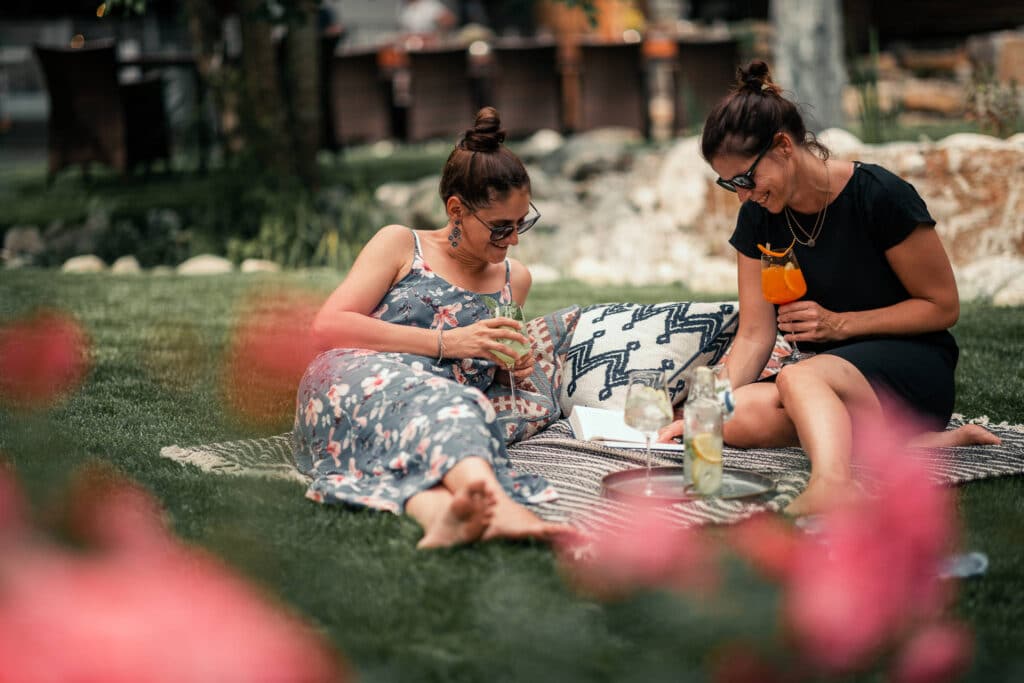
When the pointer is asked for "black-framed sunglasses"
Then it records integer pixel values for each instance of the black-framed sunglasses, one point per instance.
(745, 181)
(500, 232)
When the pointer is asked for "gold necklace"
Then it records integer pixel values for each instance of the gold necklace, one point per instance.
(819, 221)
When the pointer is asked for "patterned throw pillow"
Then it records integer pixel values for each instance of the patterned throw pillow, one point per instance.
(537, 395)
(782, 349)
(612, 339)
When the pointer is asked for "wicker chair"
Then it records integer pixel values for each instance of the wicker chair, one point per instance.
(93, 117)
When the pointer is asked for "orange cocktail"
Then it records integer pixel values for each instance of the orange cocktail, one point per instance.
(782, 283)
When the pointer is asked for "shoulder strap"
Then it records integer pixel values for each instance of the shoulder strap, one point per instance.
(417, 251)
(506, 291)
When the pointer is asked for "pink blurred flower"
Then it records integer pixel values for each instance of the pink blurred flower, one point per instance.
(142, 607)
(43, 358)
(12, 505)
(767, 542)
(650, 551)
(870, 576)
(270, 348)
(741, 663)
(938, 652)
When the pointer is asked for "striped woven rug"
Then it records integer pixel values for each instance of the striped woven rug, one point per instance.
(576, 469)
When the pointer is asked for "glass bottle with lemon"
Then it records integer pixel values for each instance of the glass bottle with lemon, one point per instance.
(702, 424)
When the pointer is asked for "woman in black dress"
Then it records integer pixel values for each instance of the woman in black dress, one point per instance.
(880, 291)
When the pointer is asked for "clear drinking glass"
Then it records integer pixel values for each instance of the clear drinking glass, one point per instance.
(648, 409)
(782, 282)
(515, 312)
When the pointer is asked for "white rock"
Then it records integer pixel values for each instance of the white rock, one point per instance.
(126, 265)
(986, 277)
(1012, 293)
(205, 264)
(256, 265)
(541, 143)
(840, 142)
(682, 183)
(969, 141)
(87, 263)
(712, 275)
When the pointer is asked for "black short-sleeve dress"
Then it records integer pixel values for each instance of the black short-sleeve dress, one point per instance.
(846, 270)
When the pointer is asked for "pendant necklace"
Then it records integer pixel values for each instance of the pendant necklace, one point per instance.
(819, 221)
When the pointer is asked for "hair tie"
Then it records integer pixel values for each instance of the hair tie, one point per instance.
(764, 86)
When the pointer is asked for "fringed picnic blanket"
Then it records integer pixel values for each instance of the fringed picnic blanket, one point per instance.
(576, 469)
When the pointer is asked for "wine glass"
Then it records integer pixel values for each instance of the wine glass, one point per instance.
(515, 312)
(648, 409)
(782, 282)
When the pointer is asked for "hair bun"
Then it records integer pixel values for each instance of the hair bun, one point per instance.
(486, 135)
(756, 78)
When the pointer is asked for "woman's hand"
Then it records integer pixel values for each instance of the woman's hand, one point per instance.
(524, 365)
(671, 432)
(483, 338)
(808, 321)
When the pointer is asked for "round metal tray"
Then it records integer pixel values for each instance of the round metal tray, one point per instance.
(670, 485)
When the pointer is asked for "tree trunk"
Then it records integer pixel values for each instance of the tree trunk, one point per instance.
(809, 57)
(263, 110)
(302, 84)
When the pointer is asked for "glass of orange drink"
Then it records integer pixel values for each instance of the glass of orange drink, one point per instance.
(782, 282)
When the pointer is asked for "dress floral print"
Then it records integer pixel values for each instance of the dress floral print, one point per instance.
(373, 429)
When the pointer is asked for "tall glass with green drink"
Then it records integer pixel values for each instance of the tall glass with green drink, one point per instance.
(515, 312)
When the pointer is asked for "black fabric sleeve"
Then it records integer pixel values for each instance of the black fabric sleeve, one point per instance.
(749, 230)
(893, 207)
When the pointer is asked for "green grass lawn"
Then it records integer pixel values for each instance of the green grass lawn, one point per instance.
(492, 612)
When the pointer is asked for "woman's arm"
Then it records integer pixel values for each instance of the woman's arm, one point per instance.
(344, 320)
(921, 264)
(755, 338)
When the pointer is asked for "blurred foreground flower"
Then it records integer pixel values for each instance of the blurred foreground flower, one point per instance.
(270, 348)
(139, 606)
(44, 357)
(870, 578)
(860, 590)
(649, 551)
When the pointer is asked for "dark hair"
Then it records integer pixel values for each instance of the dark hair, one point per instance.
(481, 169)
(745, 120)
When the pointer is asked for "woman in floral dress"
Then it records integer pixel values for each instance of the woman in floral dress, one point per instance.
(393, 415)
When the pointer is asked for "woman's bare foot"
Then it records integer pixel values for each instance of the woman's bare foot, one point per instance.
(822, 495)
(464, 521)
(967, 435)
(513, 521)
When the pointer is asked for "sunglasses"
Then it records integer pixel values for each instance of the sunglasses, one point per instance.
(501, 232)
(745, 181)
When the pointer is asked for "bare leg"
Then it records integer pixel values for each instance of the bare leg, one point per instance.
(511, 520)
(452, 518)
(760, 420)
(822, 395)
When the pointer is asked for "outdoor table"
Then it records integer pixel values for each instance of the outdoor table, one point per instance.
(523, 83)
(360, 97)
(612, 85)
(184, 61)
(705, 69)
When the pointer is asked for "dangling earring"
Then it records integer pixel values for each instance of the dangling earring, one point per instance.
(455, 234)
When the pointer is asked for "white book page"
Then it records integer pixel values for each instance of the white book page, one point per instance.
(610, 429)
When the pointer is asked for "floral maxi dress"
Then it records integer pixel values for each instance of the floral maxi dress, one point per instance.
(374, 429)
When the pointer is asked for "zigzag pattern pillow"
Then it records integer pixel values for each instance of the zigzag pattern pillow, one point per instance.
(612, 339)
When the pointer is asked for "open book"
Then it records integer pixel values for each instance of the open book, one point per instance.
(610, 429)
